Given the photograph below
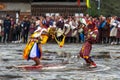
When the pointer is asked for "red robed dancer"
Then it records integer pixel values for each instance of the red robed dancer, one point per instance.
(91, 36)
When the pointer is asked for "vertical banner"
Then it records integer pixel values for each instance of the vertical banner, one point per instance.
(98, 7)
(78, 1)
(88, 3)
(98, 4)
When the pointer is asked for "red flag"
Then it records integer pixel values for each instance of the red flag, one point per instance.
(78, 1)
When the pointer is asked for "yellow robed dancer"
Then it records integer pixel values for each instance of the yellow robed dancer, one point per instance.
(33, 49)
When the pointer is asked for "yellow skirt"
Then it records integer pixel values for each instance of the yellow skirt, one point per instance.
(28, 50)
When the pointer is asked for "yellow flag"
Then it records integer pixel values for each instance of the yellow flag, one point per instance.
(88, 3)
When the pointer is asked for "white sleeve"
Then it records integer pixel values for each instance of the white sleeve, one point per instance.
(84, 21)
(38, 28)
(40, 32)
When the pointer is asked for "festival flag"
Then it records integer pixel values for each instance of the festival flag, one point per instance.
(78, 1)
(88, 3)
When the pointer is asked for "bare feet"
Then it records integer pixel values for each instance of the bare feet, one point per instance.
(37, 61)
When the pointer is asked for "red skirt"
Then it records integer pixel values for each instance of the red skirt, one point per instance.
(85, 50)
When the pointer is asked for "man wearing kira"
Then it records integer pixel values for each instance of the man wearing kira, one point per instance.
(91, 37)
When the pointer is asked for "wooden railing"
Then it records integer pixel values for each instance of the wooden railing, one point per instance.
(38, 9)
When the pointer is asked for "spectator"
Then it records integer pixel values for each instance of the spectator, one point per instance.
(113, 32)
(118, 34)
(0, 32)
(18, 31)
(11, 29)
(26, 27)
(14, 33)
(7, 26)
(32, 28)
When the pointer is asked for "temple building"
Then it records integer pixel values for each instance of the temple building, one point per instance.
(20, 8)
(65, 7)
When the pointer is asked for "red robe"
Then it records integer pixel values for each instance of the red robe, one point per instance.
(91, 36)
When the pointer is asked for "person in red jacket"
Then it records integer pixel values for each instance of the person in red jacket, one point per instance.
(91, 36)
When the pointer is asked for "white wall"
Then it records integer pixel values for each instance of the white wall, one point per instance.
(23, 7)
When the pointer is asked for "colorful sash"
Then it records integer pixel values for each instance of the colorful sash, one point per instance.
(31, 51)
(27, 49)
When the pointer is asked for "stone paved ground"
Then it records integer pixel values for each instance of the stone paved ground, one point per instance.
(107, 58)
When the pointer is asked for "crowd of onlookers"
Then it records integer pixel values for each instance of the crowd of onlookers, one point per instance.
(108, 27)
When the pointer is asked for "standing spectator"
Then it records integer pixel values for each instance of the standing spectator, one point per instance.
(51, 21)
(102, 29)
(113, 32)
(7, 26)
(74, 31)
(81, 32)
(0, 32)
(67, 30)
(14, 32)
(47, 21)
(18, 31)
(106, 31)
(32, 28)
(22, 29)
(11, 29)
(32, 19)
(118, 34)
(82, 19)
(26, 27)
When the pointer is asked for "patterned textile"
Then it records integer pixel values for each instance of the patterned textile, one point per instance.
(85, 50)
(31, 51)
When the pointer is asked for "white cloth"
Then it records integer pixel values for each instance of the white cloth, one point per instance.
(114, 22)
(82, 20)
(74, 33)
(113, 32)
(37, 22)
(33, 52)
(39, 30)
(59, 32)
